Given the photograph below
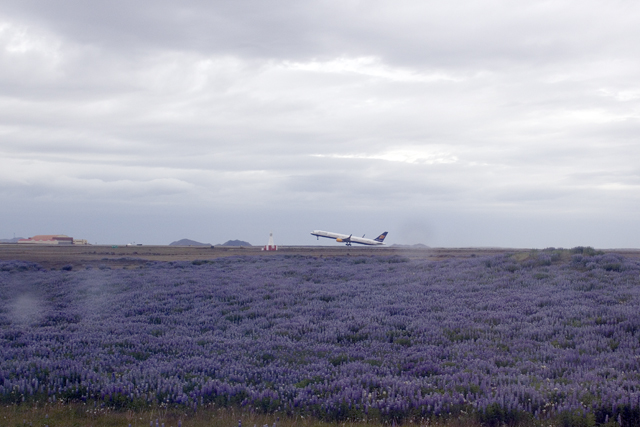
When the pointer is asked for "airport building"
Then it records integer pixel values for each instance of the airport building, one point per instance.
(50, 239)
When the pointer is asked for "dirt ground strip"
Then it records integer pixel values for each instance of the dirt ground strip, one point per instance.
(132, 256)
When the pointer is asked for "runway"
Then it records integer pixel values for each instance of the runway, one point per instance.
(115, 256)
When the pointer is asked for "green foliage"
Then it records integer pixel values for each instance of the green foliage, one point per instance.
(403, 341)
(352, 338)
(569, 419)
(305, 382)
(495, 415)
(339, 360)
(267, 358)
(585, 250)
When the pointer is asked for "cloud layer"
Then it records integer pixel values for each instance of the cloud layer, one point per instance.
(462, 124)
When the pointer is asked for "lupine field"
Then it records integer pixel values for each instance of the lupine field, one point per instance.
(347, 338)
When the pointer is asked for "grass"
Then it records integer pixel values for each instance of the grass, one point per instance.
(81, 415)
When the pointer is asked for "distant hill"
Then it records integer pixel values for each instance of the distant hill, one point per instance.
(187, 242)
(236, 243)
(14, 240)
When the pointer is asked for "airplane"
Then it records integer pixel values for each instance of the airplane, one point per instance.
(348, 239)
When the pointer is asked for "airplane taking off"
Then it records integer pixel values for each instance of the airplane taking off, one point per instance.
(349, 239)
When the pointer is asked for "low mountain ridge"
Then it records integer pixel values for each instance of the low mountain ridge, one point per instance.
(188, 242)
(236, 243)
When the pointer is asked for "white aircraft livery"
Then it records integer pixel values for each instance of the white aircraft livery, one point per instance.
(349, 239)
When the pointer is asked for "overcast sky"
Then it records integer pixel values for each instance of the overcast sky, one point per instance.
(457, 123)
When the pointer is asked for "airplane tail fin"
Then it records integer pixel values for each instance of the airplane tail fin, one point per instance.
(381, 237)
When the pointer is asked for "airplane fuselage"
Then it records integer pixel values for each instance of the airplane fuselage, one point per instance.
(349, 239)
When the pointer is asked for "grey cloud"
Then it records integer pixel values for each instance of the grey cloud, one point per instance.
(445, 33)
(387, 111)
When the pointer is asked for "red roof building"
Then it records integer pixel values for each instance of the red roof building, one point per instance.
(48, 239)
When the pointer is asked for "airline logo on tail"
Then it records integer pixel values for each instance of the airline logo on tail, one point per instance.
(349, 239)
(381, 237)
